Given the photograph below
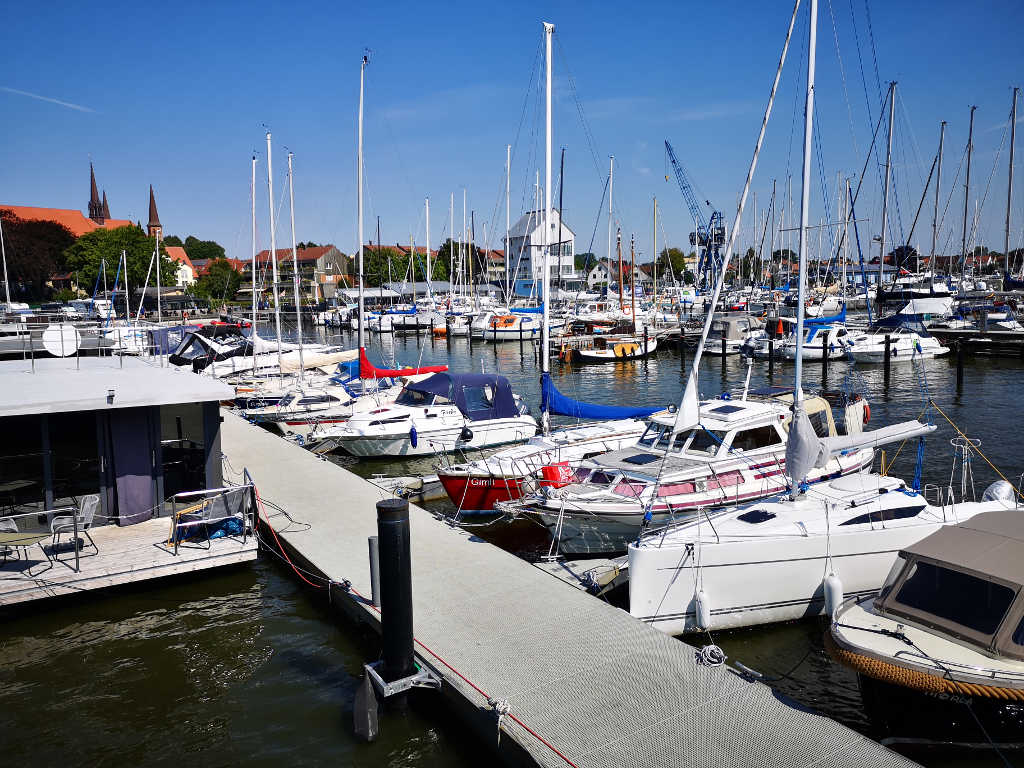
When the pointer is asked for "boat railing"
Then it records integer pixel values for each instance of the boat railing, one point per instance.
(1007, 675)
(933, 495)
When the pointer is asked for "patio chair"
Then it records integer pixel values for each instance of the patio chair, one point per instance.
(62, 524)
(13, 539)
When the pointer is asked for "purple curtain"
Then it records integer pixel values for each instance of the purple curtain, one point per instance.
(131, 449)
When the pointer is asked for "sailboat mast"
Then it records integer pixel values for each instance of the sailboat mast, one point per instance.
(273, 251)
(159, 309)
(359, 206)
(885, 194)
(508, 214)
(632, 279)
(252, 264)
(805, 199)
(967, 193)
(938, 183)
(127, 309)
(3, 253)
(295, 264)
(611, 180)
(426, 203)
(549, 30)
(655, 262)
(1009, 182)
(451, 245)
(618, 250)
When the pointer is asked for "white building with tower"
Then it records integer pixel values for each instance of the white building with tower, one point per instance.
(525, 254)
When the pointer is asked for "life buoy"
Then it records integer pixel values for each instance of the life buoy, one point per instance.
(867, 412)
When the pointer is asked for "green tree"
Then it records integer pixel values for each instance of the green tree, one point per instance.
(87, 254)
(173, 240)
(34, 253)
(203, 249)
(219, 283)
(585, 261)
(677, 258)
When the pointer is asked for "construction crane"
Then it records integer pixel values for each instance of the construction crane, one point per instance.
(709, 238)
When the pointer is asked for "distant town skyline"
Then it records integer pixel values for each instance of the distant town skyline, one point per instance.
(183, 108)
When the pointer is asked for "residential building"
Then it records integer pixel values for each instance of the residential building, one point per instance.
(185, 271)
(525, 250)
(323, 269)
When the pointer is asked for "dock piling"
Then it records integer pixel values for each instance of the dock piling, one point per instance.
(374, 544)
(771, 358)
(395, 588)
(824, 359)
(888, 357)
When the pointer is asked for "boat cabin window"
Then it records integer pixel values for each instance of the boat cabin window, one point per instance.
(601, 478)
(415, 398)
(285, 400)
(651, 434)
(819, 421)
(758, 437)
(882, 515)
(478, 398)
(1018, 634)
(954, 596)
(317, 399)
(703, 442)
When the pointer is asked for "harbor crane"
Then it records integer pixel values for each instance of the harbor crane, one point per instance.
(709, 238)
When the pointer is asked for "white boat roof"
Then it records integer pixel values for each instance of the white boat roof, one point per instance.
(60, 385)
(728, 414)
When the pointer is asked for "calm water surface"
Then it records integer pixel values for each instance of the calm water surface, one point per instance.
(248, 667)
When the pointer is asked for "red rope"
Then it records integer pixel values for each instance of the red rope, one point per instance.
(279, 546)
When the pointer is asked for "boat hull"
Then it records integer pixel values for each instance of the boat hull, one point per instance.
(434, 441)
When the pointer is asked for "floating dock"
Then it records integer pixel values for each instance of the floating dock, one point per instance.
(562, 678)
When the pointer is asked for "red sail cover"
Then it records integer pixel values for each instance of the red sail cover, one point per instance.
(368, 370)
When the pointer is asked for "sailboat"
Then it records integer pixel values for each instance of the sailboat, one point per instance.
(796, 554)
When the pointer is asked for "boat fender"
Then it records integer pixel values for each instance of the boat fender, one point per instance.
(703, 614)
(414, 438)
(867, 412)
(833, 587)
(466, 434)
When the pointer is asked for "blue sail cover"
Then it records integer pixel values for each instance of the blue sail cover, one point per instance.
(553, 401)
(538, 310)
(391, 311)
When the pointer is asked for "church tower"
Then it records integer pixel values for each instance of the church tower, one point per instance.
(106, 208)
(153, 228)
(95, 206)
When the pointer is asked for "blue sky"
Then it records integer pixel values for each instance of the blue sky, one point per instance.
(177, 97)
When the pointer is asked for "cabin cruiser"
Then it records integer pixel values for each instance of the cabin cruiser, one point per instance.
(606, 349)
(221, 350)
(443, 413)
(731, 333)
(514, 327)
(908, 339)
(939, 651)
(735, 454)
(475, 486)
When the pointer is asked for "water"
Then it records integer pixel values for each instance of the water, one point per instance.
(249, 667)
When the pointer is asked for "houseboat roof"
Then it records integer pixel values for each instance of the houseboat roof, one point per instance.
(59, 385)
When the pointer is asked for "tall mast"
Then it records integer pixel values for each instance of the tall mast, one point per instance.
(632, 279)
(462, 246)
(295, 265)
(427, 205)
(252, 264)
(1009, 183)
(451, 245)
(938, 182)
(273, 251)
(967, 192)
(359, 206)
(549, 30)
(3, 252)
(159, 309)
(618, 250)
(611, 179)
(472, 239)
(124, 261)
(655, 262)
(508, 213)
(805, 201)
(885, 195)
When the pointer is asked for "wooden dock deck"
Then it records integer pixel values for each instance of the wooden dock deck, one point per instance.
(125, 555)
(587, 684)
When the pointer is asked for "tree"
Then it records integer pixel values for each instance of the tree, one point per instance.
(677, 258)
(203, 249)
(784, 254)
(87, 254)
(585, 261)
(310, 244)
(34, 252)
(219, 282)
(173, 240)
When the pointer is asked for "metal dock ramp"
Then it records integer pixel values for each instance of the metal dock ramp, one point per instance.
(588, 684)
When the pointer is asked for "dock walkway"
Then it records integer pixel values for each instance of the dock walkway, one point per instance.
(588, 684)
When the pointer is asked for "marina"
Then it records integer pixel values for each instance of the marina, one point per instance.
(610, 472)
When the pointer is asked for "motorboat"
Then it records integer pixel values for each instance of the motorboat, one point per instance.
(608, 349)
(731, 333)
(445, 412)
(475, 486)
(939, 651)
(513, 327)
(905, 336)
(737, 453)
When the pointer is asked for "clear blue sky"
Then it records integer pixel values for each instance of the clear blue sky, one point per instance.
(177, 97)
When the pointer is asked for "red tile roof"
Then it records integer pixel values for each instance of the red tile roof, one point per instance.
(74, 221)
(303, 254)
(178, 254)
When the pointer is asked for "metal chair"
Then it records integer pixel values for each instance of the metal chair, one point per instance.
(77, 524)
(13, 539)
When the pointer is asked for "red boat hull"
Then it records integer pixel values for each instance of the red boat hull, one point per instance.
(479, 494)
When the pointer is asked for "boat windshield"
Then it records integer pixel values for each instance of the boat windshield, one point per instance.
(416, 399)
(942, 596)
(652, 433)
(699, 441)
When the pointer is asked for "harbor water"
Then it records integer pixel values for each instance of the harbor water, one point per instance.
(251, 667)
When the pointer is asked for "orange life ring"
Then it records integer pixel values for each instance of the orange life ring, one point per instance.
(867, 412)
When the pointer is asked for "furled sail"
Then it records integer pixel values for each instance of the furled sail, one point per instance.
(368, 370)
(554, 401)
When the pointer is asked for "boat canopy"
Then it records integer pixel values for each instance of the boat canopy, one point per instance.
(914, 323)
(538, 310)
(554, 401)
(368, 370)
(965, 581)
(480, 396)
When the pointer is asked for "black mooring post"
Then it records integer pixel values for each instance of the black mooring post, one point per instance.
(771, 358)
(395, 589)
(824, 360)
(888, 357)
(959, 366)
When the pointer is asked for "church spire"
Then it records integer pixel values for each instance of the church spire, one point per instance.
(153, 228)
(106, 208)
(95, 206)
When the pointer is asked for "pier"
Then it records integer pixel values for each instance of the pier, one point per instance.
(543, 671)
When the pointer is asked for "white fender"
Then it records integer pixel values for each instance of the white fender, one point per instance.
(833, 587)
(703, 616)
